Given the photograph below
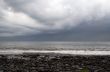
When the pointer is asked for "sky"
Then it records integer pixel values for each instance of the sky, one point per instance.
(54, 20)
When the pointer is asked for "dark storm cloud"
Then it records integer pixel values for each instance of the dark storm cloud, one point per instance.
(54, 19)
(83, 32)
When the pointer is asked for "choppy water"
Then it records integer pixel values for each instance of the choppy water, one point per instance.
(57, 45)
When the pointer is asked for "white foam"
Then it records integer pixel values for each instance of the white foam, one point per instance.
(73, 52)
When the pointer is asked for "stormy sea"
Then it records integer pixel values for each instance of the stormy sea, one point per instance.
(54, 56)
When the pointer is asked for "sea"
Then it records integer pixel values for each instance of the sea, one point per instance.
(80, 48)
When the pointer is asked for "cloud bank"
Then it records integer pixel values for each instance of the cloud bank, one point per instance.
(24, 17)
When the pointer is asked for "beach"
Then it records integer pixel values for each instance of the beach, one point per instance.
(54, 62)
(55, 57)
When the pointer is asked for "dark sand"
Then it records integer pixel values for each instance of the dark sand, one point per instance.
(53, 63)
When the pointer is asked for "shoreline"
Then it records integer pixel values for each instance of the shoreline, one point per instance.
(71, 52)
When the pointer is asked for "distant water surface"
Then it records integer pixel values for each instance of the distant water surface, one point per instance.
(56, 45)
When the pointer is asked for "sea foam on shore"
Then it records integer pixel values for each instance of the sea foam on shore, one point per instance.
(73, 52)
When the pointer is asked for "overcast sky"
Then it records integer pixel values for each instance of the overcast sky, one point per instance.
(55, 20)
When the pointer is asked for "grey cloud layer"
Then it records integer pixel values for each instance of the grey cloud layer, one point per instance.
(21, 17)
